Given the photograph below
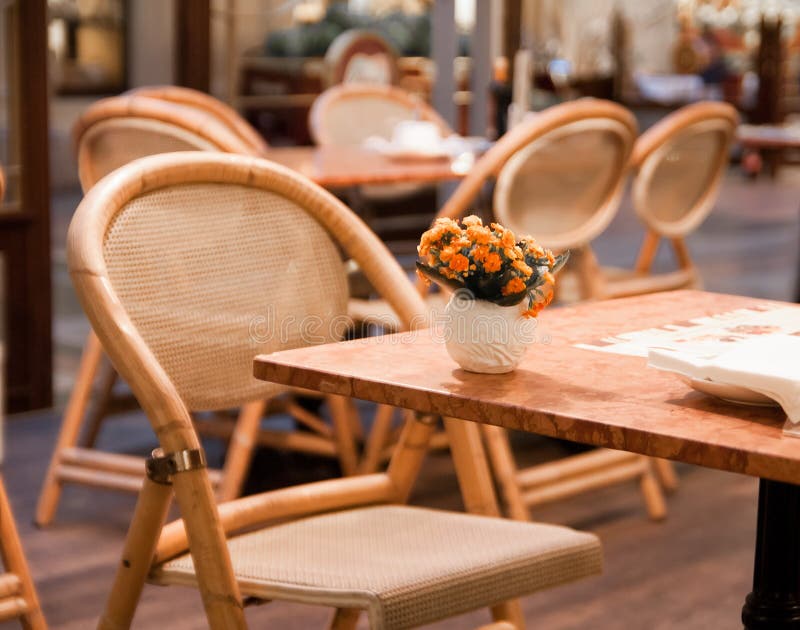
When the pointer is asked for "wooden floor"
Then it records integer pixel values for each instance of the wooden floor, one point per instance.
(690, 572)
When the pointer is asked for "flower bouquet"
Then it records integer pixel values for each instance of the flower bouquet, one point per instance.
(500, 281)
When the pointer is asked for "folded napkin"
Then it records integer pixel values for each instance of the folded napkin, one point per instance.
(769, 365)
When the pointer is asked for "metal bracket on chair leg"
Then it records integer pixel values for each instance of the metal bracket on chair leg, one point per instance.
(160, 467)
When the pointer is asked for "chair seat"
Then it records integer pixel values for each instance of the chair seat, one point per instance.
(406, 566)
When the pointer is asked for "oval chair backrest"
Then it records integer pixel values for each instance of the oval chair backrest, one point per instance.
(210, 105)
(190, 264)
(115, 131)
(681, 162)
(560, 174)
(349, 114)
(361, 56)
(564, 187)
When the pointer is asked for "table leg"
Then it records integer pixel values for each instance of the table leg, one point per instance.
(774, 603)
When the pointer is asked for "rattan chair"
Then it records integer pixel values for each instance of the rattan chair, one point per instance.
(560, 176)
(18, 598)
(346, 115)
(210, 105)
(349, 114)
(172, 286)
(680, 163)
(113, 132)
(361, 56)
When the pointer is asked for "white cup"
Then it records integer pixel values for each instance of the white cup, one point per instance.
(415, 134)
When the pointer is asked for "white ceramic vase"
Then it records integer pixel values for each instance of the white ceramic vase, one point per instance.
(483, 337)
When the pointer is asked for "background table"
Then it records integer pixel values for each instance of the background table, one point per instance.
(596, 398)
(340, 167)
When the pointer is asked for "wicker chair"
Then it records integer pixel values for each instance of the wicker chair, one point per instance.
(18, 598)
(181, 333)
(113, 132)
(376, 108)
(361, 56)
(560, 176)
(680, 163)
(210, 105)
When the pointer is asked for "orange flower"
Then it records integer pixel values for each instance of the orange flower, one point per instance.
(447, 253)
(492, 262)
(539, 306)
(471, 220)
(448, 224)
(507, 239)
(479, 253)
(479, 234)
(514, 286)
(459, 262)
(460, 242)
(520, 265)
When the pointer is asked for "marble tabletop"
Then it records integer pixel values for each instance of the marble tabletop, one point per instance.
(563, 391)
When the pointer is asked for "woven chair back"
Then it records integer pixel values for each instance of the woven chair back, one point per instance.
(681, 162)
(559, 174)
(115, 131)
(210, 105)
(349, 114)
(201, 261)
(563, 187)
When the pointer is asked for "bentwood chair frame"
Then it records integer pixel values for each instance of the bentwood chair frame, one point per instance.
(100, 271)
(588, 471)
(185, 128)
(660, 145)
(18, 598)
(207, 103)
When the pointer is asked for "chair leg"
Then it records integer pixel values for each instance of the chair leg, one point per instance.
(219, 590)
(99, 409)
(140, 546)
(472, 469)
(14, 562)
(651, 492)
(345, 619)
(590, 275)
(510, 612)
(70, 427)
(666, 474)
(647, 252)
(502, 461)
(474, 479)
(378, 438)
(341, 412)
(240, 450)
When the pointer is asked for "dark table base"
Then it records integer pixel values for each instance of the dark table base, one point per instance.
(774, 603)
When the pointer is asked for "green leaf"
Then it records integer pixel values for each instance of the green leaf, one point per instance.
(561, 260)
(434, 274)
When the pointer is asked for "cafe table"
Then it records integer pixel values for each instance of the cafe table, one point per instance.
(597, 398)
(347, 166)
